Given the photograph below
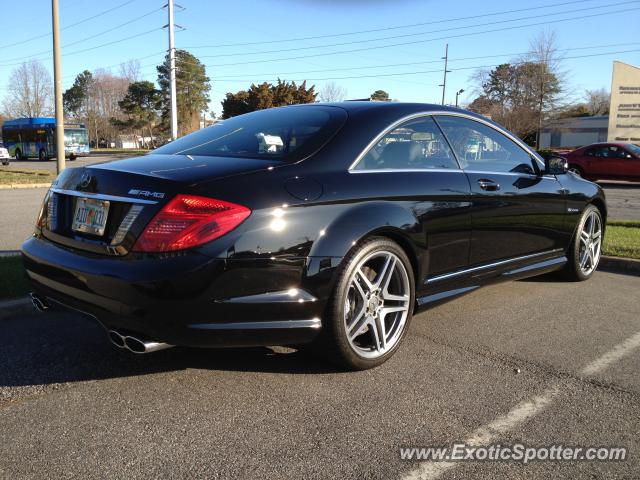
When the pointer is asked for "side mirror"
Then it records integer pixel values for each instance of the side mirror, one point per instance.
(555, 165)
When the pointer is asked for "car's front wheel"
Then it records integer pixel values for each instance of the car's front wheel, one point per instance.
(371, 306)
(586, 247)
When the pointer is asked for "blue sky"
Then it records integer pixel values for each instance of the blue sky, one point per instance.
(243, 41)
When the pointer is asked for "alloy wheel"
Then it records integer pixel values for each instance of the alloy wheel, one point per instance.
(590, 243)
(377, 304)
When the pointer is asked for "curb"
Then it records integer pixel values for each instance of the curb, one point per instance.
(628, 266)
(15, 308)
(15, 186)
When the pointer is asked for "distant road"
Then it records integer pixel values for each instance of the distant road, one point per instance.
(623, 200)
(35, 164)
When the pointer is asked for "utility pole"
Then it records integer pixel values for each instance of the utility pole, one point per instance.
(446, 62)
(57, 75)
(172, 75)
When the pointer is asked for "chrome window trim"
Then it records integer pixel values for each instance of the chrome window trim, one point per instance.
(516, 174)
(434, 113)
(102, 196)
(396, 170)
(491, 265)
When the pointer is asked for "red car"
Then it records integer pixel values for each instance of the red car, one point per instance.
(606, 161)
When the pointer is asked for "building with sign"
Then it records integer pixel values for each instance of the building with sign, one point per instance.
(621, 125)
(624, 112)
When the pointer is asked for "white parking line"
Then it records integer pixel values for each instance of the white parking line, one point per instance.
(612, 356)
(525, 410)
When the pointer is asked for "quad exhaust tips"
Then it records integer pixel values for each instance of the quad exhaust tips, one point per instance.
(128, 342)
(134, 344)
(38, 302)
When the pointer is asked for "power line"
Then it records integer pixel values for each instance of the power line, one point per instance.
(422, 62)
(373, 47)
(475, 67)
(317, 37)
(107, 67)
(406, 35)
(95, 35)
(138, 18)
(84, 20)
(250, 76)
(88, 49)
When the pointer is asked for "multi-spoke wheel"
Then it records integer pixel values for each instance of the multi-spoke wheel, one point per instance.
(590, 242)
(372, 305)
(585, 251)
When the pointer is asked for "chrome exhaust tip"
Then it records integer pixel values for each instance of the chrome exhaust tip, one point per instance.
(134, 344)
(38, 302)
(116, 339)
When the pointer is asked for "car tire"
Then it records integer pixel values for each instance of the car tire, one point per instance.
(42, 155)
(72, 158)
(18, 154)
(577, 170)
(586, 246)
(375, 287)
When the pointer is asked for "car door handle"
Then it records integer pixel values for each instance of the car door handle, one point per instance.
(488, 185)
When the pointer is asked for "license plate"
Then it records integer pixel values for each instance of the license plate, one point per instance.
(90, 216)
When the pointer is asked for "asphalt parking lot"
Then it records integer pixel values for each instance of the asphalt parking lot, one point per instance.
(73, 406)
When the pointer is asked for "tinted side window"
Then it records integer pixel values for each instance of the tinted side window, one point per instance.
(616, 152)
(480, 147)
(603, 152)
(416, 144)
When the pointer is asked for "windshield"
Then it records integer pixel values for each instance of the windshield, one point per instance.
(75, 137)
(635, 149)
(288, 134)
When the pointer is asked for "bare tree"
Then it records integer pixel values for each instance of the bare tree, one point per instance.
(107, 90)
(546, 77)
(131, 71)
(93, 99)
(332, 92)
(29, 91)
(597, 101)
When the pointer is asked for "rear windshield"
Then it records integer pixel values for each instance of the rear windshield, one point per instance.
(287, 134)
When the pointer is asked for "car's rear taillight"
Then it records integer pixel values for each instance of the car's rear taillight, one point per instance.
(188, 221)
(40, 220)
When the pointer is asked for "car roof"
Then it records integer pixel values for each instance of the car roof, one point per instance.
(407, 107)
(604, 144)
(399, 109)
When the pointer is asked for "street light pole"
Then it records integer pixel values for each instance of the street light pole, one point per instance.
(457, 94)
(172, 75)
(57, 75)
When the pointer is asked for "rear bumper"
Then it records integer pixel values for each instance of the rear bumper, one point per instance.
(188, 299)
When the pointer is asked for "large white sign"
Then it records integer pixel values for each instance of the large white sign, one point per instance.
(624, 113)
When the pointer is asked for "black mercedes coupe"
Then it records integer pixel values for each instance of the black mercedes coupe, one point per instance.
(324, 224)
